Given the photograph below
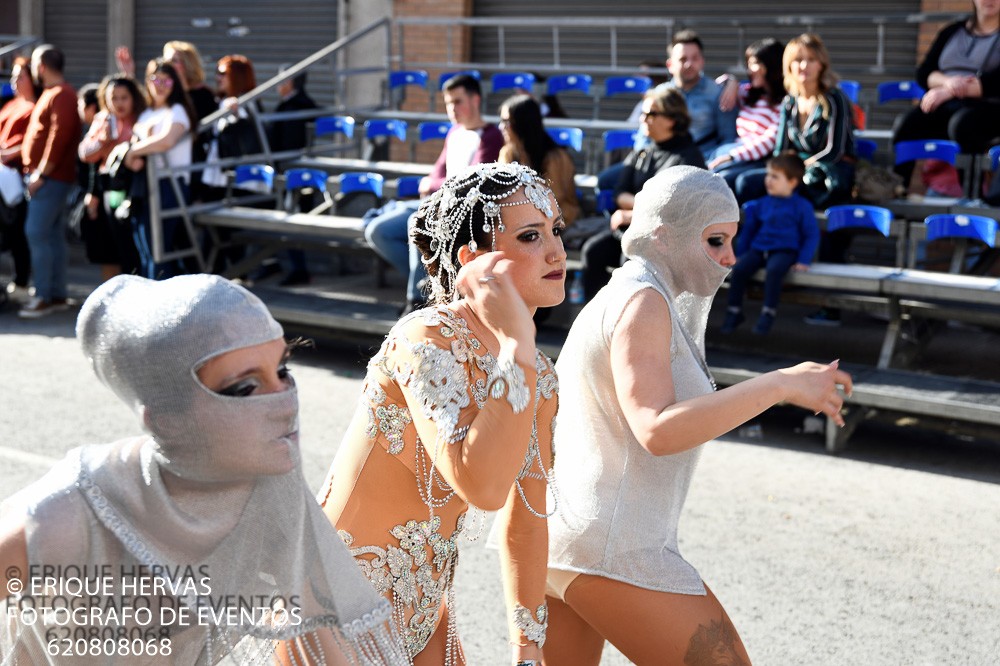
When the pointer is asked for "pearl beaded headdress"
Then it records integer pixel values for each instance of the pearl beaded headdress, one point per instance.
(442, 216)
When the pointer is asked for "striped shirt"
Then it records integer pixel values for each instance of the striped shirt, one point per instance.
(756, 128)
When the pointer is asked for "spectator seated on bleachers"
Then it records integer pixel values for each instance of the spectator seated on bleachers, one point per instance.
(759, 113)
(711, 126)
(471, 140)
(961, 74)
(779, 233)
(665, 123)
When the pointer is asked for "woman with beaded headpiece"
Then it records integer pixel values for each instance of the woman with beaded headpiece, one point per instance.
(198, 542)
(638, 402)
(457, 412)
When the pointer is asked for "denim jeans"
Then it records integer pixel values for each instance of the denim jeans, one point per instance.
(143, 234)
(777, 264)
(388, 235)
(45, 229)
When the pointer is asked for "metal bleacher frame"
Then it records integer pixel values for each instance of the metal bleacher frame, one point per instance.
(903, 293)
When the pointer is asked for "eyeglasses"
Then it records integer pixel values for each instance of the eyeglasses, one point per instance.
(161, 81)
(652, 114)
(504, 122)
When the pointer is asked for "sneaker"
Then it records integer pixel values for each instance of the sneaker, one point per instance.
(18, 294)
(824, 317)
(37, 308)
(764, 324)
(733, 319)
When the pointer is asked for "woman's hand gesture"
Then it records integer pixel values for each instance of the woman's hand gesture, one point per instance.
(486, 285)
(814, 387)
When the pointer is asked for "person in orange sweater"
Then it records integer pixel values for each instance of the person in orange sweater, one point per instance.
(48, 156)
(14, 117)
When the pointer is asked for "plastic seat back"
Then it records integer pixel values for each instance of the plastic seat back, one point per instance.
(254, 173)
(619, 85)
(974, 227)
(335, 125)
(407, 77)
(929, 149)
(431, 131)
(852, 89)
(859, 217)
(564, 82)
(567, 137)
(618, 139)
(891, 90)
(508, 80)
(361, 181)
(408, 187)
(296, 179)
(389, 128)
(866, 148)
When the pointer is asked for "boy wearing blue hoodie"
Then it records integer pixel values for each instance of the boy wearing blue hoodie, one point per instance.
(779, 233)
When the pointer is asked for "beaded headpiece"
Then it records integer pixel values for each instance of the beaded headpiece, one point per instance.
(484, 187)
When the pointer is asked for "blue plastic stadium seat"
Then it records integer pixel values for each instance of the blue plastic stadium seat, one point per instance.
(335, 125)
(851, 88)
(299, 178)
(563, 82)
(926, 149)
(618, 85)
(396, 128)
(976, 227)
(507, 80)
(859, 217)
(360, 181)
(606, 201)
(569, 137)
(994, 158)
(7, 90)
(618, 139)
(891, 90)
(474, 73)
(254, 173)
(407, 77)
(408, 187)
(866, 148)
(430, 131)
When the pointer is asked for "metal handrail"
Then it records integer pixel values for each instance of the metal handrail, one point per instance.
(154, 174)
(17, 45)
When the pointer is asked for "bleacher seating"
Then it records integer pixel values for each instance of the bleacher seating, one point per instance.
(621, 85)
(254, 173)
(386, 128)
(564, 82)
(874, 218)
(335, 125)
(567, 137)
(353, 181)
(408, 187)
(474, 73)
(852, 89)
(408, 77)
(431, 131)
(890, 90)
(511, 80)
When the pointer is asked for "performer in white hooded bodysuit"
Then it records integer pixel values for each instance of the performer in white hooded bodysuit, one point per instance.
(206, 521)
(636, 403)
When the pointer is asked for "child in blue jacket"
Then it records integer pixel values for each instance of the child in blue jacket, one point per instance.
(779, 233)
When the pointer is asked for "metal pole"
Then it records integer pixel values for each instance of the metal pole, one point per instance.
(614, 46)
(500, 42)
(556, 47)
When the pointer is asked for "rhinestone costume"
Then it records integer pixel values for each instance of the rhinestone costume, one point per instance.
(449, 376)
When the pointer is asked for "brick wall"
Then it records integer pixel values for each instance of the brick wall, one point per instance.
(929, 30)
(428, 44)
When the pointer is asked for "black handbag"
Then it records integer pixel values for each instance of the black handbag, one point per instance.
(119, 176)
(239, 138)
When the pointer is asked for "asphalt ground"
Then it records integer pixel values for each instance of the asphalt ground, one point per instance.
(886, 554)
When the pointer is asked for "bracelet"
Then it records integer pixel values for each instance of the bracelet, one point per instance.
(510, 381)
(533, 631)
(528, 662)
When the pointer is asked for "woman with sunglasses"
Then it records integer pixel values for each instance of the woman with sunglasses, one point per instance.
(163, 131)
(665, 121)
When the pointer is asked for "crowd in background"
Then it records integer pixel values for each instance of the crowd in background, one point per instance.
(789, 104)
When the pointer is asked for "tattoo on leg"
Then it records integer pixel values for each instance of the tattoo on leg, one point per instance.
(715, 645)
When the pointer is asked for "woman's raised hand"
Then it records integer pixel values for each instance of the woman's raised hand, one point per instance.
(488, 288)
(814, 387)
(126, 65)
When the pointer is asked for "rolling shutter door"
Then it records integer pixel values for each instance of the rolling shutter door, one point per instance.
(79, 28)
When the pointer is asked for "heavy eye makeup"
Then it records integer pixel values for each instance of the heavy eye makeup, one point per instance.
(716, 241)
(531, 234)
(246, 386)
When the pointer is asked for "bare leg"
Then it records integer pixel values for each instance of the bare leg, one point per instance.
(435, 651)
(570, 641)
(658, 627)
